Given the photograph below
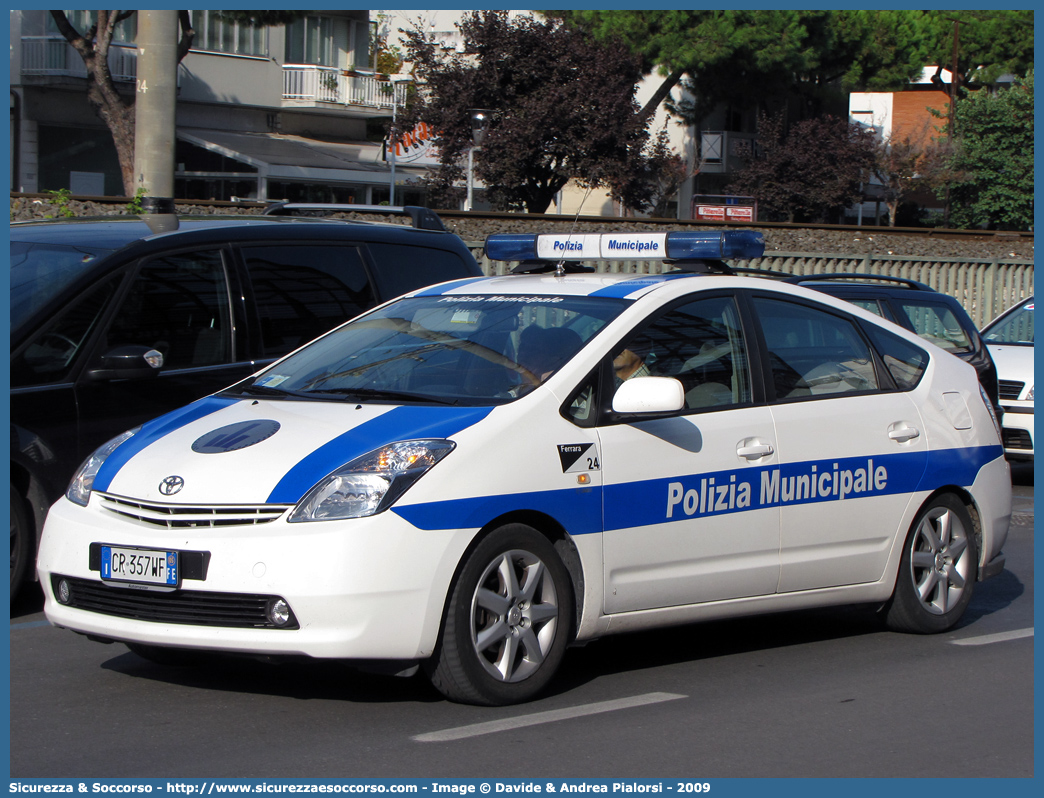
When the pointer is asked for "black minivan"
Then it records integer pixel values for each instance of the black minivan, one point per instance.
(117, 320)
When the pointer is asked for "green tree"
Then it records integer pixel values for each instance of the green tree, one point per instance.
(989, 44)
(562, 108)
(810, 173)
(993, 159)
(757, 58)
(908, 164)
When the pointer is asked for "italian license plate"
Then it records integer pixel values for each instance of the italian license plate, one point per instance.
(141, 566)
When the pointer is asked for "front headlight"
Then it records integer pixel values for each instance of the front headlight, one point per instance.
(79, 489)
(1029, 395)
(371, 483)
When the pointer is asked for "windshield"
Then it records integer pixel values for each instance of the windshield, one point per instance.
(39, 272)
(1016, 328)
(473, 350)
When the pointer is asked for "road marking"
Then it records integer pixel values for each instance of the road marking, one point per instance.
(1000, 637)
(507, 724)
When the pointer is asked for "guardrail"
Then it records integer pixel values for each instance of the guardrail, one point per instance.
(983, 287)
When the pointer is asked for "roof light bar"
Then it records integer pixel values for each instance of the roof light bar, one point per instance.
(679, 245)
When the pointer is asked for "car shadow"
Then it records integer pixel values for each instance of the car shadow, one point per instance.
(339, 680)
(329, 680)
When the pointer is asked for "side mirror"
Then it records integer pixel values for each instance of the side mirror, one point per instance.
(649, 395)
(129, 362)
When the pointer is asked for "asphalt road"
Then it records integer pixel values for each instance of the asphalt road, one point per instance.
(808, 694)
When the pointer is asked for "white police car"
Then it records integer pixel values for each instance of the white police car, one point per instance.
(478, 474)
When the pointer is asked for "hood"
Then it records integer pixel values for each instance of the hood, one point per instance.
(1013, 362)
(223, 450)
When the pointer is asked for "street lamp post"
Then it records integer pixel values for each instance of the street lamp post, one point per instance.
(479, 126)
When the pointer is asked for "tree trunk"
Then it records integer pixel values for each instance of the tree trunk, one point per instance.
(661, 94)
(116, 111)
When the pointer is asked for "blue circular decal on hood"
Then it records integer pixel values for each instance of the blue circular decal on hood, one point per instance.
(235, 436)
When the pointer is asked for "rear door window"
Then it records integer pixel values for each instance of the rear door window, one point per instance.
(937, 323)
(812, 352)
(399, 268)
(301, 292)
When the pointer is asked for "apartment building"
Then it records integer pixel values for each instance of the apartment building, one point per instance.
(272, 112)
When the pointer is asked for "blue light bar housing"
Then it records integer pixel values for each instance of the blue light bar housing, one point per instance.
(678, 245)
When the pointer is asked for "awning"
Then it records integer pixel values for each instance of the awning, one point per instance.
(278, 156)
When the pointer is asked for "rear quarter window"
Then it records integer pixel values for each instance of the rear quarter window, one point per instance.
(905, 361)
(399, 268)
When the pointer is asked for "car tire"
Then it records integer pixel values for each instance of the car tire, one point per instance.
(507, 623)
(23, 538)
(937, 571)
(165, 655)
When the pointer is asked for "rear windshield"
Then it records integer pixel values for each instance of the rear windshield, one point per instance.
(39, 272)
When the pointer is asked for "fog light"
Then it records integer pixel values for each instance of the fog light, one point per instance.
(64, 593)
(279, 612)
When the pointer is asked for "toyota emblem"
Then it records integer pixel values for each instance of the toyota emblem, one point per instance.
(171, 485)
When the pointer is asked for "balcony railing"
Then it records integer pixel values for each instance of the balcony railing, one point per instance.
(341, 87)
(53, 55)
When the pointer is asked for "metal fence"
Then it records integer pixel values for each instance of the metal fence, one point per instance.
(984, 287)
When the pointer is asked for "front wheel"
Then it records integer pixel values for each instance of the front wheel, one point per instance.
(23, 538)
(507, 623)
(938, 569)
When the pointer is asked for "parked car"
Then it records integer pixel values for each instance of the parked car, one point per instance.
(934, 316)
(1009, 338)
(477, 475)
(115, 321)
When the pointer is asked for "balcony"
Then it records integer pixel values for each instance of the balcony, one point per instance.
(307, 84)
(54, 56)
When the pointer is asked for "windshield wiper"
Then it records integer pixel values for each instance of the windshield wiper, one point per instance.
(377, 393)
(267, 390)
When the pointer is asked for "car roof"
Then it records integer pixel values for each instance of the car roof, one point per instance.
(116, 232)
(112, 232)
(841, 284)
(605, 285)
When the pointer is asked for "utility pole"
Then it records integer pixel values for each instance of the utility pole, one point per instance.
(951, 118)
(154, 109)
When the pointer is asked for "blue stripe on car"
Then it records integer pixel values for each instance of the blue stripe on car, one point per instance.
(153, 431)
(635, 504)
(628, 287)
(403, 423)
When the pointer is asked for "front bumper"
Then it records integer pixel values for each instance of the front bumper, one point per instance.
(371, 588)
(1017, 427)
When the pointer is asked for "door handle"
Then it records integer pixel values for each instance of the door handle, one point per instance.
(901, 433)
(754, 449)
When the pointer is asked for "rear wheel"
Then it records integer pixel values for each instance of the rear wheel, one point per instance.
(22, 542)
(938, 569)
(508, 621)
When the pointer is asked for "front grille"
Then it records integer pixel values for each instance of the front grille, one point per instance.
(195, 607)
(1017, 439)
(185, 516)
(1010, 389)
